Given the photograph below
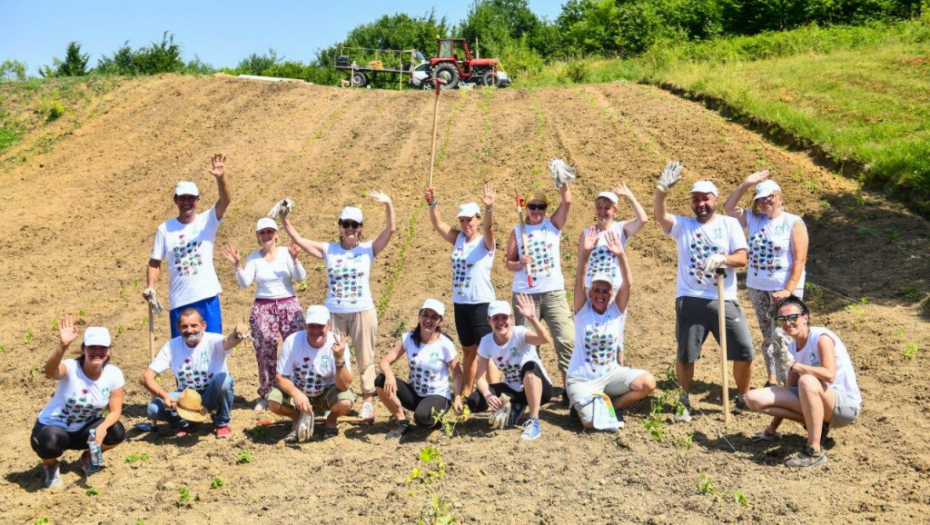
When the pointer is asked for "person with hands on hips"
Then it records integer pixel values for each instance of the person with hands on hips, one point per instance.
(197, 359)
(187, 243)
(472, 258)
(706, 242)
(276, 310)
(606, 206)
(86, 386)
(313, 373)
(431, 358)
(778, 244)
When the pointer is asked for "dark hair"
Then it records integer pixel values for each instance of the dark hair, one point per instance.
(795, 300)
(190, 310)
(80, 360)
(415, 333)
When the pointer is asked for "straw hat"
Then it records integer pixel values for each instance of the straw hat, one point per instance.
(190, 406)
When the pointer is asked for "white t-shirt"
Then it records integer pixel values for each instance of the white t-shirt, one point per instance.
(845, 380)
(511, 357)
(696, 243)
(193, 367)
(79, 400)
(188, 249)
(471, 271)
(598, 340)
(348, 272)
(312, 370)
(601, 259)
(429, 366)
(275, 279)
(545, 250)
(770, 257)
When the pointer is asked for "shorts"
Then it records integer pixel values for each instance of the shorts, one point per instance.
(209, 309)
(696, 317)
(614, 383)
(845, 411)
(471, 322)
(324, 401)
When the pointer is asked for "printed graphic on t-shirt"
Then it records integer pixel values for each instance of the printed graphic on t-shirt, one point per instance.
(79, 408)
(600, 345)
(191, 377)
(540, 249)
(510, 369)
(422, 377)
(461, 269)
(702, 249)
(187, 257)
(307, 379)
(764, 256)
(602, 260)
(345, 279)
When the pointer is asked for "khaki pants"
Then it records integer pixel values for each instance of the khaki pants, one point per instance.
(552, 307)
(361, 328)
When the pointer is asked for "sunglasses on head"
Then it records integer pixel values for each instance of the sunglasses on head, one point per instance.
(350, 225)
(784, 319)
(537, 207)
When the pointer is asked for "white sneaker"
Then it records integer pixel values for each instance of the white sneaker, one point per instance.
(367, 411)
(261, 405)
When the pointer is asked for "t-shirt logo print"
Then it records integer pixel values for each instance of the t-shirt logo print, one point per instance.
(78, 408)
(599, 344)
(345, 280)
(461, 277)
(601, 261)
(700, 250)
(191, 376)
(540, 250)
(187, 257)
(764, 255)
(307, 379)
(421, 378)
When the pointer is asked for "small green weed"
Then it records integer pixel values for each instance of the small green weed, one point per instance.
(437, 512)
(33, 372)
(119, 330)
(910, 350)
(894, 235)
(138, 522)
(81, 313)
(399, 329)
(705, 486)
(909, 292)
(41, 521)
(740, 497)
(55, 325)
(93, 492)
(302, 286)
(134, 458)
(184, 495)
(245, 457)
(28, 337)
(898, 333)
(449, 420)
(258, 432)
(432, 467)
(217, 483)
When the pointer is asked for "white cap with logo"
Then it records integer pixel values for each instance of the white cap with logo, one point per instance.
(351, 213)
(604, 278)
(97, 336)
(266, 222)
(317, 314)
(498, 308)
(469, 209)
(434, 305)
(704, 186)
(609, 195)
(186, 187)
(766, 188)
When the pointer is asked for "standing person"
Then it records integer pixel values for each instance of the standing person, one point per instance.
(706, 242)
(777, 254)
(513, 350)
(276, 310)
(187, 242)
(431, 357)
(348, 299)
(313, 373)
(822, 391)
(472, 258)
(600, 317)
(541, 262)
(86, 386)
(606, 206)
(198, 361)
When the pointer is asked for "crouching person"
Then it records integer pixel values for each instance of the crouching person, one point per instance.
(197, 359)
(313, 374)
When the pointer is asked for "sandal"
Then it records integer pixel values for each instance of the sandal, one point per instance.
(330, 432)
(762, 437)
(291, 437)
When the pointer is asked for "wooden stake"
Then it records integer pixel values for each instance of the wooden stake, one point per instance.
(722, 330)
(432, 149)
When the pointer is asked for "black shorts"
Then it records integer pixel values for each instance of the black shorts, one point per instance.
(471, 322)
(696, 317)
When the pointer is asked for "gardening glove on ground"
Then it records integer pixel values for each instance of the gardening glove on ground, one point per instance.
(500, 417)
(670, 176)
(561, 173)
(282, 208)
(149, 294)
(715, 261)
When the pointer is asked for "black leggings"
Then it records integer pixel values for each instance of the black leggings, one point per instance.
(425, 409)
(477, 403)
(50, 441)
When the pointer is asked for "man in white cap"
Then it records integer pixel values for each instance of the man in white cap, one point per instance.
(187, 242)
(706, 242)
(313, 373)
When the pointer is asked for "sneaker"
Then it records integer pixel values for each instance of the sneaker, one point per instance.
(619, 412)
(86, 466)
(52, 475)
(330, 432)
(367, 412)
(305, 426)
(400, 428)
(222, 432)
(531, 429)
(261, 405)
(516, 412)
(685, 415)
(807, 457)
(739, 404)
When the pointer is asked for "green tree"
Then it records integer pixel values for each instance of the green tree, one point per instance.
(12, 70)
(74, 65)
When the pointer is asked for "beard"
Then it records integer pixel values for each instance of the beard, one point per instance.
(707, 212)
(193, 339)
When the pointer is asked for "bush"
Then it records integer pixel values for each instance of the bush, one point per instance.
(256, 64)
(161, 57)
(12, 70)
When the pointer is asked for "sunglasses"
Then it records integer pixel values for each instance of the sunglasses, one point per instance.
(537, 207)
(350, 225)
(785, 319)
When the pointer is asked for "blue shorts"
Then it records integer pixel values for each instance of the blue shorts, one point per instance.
(210, 310)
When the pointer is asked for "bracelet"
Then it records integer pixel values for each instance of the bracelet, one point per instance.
(340, 364)
(488, 209)
(433, 204)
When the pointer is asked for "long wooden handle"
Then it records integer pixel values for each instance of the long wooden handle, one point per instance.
(432, 149)
(722, 330)
(529, 276)
(151, 333)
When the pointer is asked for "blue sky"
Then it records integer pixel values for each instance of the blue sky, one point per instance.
(221, 33)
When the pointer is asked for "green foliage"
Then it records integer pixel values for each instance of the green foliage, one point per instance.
(29, 337)
(12, 71)
(245, 457)
(448, 419)
(399, 31)
(431, 467)
(438, 512)
(256, 64)
(133, 458)
(184, 495)
(399, 329)
(158, 57)
(705, 486)
(498, 25)
(93, 491)
(911, 349)
(74, 65)
(217, 483)
(740, 498)
(41, 521)
(669, 398)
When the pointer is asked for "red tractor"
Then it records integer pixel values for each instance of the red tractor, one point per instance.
(454, 63)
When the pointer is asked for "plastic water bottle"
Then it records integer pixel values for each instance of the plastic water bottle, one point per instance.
(96, 453)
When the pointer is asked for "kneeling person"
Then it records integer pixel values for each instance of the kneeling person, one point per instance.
(596, 365)
(313, 373)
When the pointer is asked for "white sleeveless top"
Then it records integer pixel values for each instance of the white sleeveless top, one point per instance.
(601, 260)
(770, 257)
(845, 380)
(471, 271)
(546, 267)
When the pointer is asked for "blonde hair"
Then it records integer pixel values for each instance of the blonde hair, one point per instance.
(598, 201)
(755, 203)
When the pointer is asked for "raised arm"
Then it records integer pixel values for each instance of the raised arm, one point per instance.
(640, 218)
(670, 176)
(447, 232)
(219, 172)
(298, 273)
(488, 197)
(384, 237)
(616, 248)
(235, 337)
(314, 248)
(244, 276)
(343, 374)
(799, 244)
(560, 217)
(732, 204)
(587, 245)
(67, 333)
(539, 335)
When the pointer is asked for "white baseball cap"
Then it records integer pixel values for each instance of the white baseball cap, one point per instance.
(97, 336)
(603, 277)
(186, 187)
(704, 186)
(434, 305)
(766, 188)
(499, 307)
(609, 195)
(469, 209)
(351, 213)
(317, 314)
(266, 222)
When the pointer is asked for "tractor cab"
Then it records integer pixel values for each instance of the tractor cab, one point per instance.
(454, 62)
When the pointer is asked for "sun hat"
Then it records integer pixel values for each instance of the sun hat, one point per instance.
(609, 195)
(351, 213)
(434, 305)
(469, 209)
(537, 195)
(266, 222)
(603, 277)
(704, 186)
(186, 187)
(317, 314)
(97, 336)
(190, 406)
(499, 307)
(766, 188)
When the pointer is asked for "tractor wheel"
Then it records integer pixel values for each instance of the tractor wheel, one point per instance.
(489, 79)
(449, 74)
(359, 79)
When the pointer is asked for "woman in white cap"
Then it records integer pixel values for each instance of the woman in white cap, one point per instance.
(777, 254)
(276, 310)
(348, 269)
(472, 257)
(431, 358)
(606, 206)
(512, 349)
(86, 386)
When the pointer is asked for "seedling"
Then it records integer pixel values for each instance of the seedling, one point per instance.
(245, 457)
(898, 333)
(910, 350)
(866, 230)
(136, 283)
(909, 292)
(41, 521)
(258, 432)
(29, 337)
(217, 483)
(133, 458)
(705, 486)
(184, 495)
(302, 286)
(32, 373)
(432, 467)
(119, 330)
(145, 320)
(81, 313)
(55, 325)
(894, 234)
(449, 419)
(740, 497)
(138, 522)
(93, 492)
(399, 329)
(439, 511)
(2, 348)
(122, 292)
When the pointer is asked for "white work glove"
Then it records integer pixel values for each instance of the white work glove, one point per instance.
(282, 208)
(149, 294)
(561, 173)
(715, 261)
(501, 417)
(670, 176)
